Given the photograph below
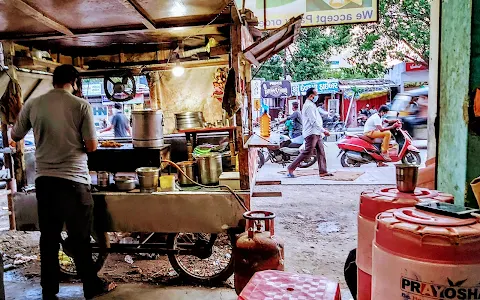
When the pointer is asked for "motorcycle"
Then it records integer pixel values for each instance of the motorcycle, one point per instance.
(287, 152)
(333, 124)
(356, 150)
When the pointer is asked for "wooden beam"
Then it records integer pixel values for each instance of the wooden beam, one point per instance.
(29, 94)
(267, 194)
(40, 17)
(197, 23)
(142, 14)
(273, 182)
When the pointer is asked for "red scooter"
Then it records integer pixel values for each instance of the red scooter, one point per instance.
(356, 150)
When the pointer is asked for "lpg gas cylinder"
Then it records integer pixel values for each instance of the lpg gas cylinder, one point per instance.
(256, 249)
(371, 204)
(423, 255)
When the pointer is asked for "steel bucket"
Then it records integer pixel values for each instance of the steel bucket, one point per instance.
(407, 176)
(148, 179)
(209, 168)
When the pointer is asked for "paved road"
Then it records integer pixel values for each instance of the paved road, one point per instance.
(371, 174)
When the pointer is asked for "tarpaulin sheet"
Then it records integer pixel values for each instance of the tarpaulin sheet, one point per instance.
(191, 92)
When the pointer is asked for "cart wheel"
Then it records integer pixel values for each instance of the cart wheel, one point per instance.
(65, 257)
(211, 260)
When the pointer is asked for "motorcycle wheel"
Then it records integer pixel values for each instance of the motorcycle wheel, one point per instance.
(412, 158)
(347, 162)
(308, 162)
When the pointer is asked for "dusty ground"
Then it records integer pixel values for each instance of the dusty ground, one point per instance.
(317, 224)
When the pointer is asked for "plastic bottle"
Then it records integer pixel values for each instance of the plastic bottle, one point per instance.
(265, 124)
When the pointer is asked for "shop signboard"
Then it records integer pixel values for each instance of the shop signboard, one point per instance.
(410, 67)
(327, 86)
(315, 12)
(276, 89)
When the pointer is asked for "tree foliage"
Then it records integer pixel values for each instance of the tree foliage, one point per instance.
(403, 33)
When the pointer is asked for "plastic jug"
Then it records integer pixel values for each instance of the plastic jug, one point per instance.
(265, 124)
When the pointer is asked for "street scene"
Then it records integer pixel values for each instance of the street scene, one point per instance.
(249, 150)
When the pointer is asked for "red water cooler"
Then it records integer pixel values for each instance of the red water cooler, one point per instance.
(423, 255)
(371, 204)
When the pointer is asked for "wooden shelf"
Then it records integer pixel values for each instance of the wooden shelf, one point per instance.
(35, 63)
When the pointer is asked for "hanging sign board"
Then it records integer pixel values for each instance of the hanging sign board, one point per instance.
(322, 86)
(316, 12)
(276, 89)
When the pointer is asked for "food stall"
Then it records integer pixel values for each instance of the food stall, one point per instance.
(197, 59)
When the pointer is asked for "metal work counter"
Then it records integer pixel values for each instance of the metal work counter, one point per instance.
(202, 211)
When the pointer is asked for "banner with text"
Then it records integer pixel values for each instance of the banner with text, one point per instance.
(316, 12)
(327, 86)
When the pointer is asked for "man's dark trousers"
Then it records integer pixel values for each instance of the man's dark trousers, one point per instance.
(60, 202)
(312, 142)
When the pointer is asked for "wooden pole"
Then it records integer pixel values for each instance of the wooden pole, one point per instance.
(243, 166)
(154, 87)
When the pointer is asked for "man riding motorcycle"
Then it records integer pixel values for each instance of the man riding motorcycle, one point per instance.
(374, 129)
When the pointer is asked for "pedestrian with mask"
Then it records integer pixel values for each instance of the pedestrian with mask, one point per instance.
(120, 123)
(64, 132)
(313, 133)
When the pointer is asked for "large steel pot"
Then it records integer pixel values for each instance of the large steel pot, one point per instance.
(147, 128)
(209, 168)
(189, 120)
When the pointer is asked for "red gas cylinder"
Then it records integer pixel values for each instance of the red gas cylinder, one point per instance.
(422, 255)
(371, 204)
(257, 249)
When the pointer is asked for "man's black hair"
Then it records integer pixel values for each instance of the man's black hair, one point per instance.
(65, 74)
(295, 104)
(384, 109)
(310, 91)
(117, 105)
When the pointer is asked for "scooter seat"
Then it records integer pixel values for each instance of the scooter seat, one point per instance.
(370, 140)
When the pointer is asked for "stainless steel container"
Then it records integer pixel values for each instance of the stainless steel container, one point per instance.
(148, 179)
(147, 128)
(209, 168)
(189, 120)
(189, 168)
(103, 179)
(124, 183)
(407, 176)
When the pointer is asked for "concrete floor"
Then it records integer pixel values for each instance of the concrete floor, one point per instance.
(371, 174)
(29, 291)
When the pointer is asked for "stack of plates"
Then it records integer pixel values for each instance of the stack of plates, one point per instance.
(189, 120)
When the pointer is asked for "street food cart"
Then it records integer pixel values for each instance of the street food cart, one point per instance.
(118, 40)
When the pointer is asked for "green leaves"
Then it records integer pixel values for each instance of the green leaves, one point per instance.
(402, 33)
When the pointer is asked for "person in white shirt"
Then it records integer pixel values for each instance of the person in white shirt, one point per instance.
(374, 129)
(313, 132)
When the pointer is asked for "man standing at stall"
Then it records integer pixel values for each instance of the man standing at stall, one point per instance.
(64, 132)
(313, 133)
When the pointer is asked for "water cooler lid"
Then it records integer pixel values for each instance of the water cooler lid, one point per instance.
(374, 202)
(427, 236)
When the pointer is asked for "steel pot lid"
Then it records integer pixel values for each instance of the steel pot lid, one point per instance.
(147, 111)
(147, 170)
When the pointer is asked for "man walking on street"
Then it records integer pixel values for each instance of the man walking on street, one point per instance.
(64, 132)
(120, 123)
(313, 132)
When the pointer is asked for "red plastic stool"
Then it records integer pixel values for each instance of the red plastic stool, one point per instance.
(278, 285)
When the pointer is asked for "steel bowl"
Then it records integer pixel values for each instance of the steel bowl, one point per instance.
(124, 183)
